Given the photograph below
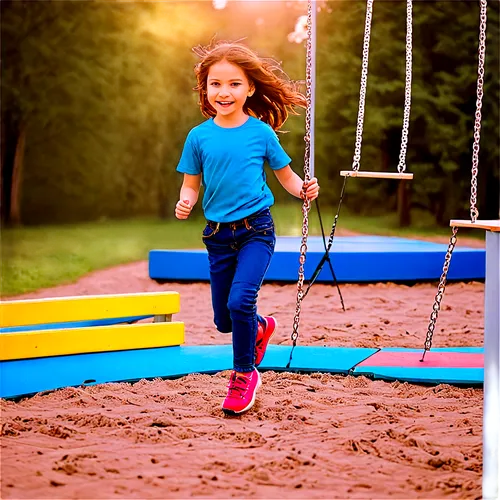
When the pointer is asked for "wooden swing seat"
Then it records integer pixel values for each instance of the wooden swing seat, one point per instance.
(377, 175)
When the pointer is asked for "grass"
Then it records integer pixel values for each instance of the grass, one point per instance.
(45, 256)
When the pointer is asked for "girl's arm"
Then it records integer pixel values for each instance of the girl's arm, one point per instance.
(293, 183)
(189, 195)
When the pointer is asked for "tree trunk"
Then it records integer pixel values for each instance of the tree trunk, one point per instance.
(404, 214)
(3, 157)
(10, 135)
(490, 194)
(17, 170)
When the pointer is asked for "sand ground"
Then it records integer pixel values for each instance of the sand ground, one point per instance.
(308, 436)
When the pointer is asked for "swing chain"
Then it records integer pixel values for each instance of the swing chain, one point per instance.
(441, 288)
(363, 87)
(306, 206)
(302, 259)
(362, 90)
(406, 114)
(474, 212)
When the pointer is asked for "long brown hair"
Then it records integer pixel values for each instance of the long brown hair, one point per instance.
(275, 96)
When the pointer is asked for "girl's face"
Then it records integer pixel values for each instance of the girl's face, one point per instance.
(227, 91)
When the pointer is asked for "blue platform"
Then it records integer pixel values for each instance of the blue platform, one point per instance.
(25, 377)
(355, 259)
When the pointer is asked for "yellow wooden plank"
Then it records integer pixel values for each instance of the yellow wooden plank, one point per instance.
(61, 309)
(42, 343)
(489, 225)
(376, 175)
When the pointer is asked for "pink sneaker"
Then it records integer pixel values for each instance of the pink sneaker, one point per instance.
(241, 393)
(264, 335)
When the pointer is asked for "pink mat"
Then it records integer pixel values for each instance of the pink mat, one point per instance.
(433, 359)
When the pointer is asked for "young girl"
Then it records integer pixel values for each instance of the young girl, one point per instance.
(245, 99)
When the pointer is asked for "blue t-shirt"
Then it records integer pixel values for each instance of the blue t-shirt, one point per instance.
(231, 161)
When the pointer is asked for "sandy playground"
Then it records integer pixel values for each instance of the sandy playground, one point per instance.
(308, 436)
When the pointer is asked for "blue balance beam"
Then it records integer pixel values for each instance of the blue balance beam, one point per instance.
(356, 259)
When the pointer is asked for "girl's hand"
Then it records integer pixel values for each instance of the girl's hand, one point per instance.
(183, 209)
(312, 189)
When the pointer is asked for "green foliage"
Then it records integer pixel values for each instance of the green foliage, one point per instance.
(104, 90)
(100, 100)
(443, 103)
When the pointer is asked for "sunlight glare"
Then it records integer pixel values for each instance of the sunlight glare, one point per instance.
(219, 4)
(300, 33)
(297, 36)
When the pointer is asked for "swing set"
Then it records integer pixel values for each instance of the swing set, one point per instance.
(491, 433)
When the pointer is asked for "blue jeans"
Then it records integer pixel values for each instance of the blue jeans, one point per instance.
(239, 254)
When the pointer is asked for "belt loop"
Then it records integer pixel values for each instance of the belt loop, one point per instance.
(217, 226)
(247, 225)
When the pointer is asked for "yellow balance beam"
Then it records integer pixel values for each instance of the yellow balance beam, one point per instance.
(42, 343)
(62, 309)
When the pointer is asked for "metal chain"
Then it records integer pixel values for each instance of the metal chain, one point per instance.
(406, 114)
(474, 212)
(306, 206)
(300, 283)
(337, 215)
(362, 90)
(439, 296)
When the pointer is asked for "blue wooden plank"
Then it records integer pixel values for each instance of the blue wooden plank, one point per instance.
(316, 359)
(356, 259)
(22, 377)
(72, 324)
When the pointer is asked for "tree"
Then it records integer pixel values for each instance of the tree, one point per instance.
(97, 100)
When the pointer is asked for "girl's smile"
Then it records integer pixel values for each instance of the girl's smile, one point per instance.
(225, 104)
